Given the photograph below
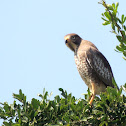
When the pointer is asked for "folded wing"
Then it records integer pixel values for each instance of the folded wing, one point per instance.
(100, 65)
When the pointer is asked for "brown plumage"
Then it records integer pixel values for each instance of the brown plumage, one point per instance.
(92, 66)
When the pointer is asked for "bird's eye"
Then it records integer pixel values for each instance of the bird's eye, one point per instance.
(73, 37)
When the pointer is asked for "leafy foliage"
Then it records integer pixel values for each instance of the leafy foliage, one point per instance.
(108, 109)
(110, 16)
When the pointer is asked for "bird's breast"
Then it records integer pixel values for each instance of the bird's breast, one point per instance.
(83, 68)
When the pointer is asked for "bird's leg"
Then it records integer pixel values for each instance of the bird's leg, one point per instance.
(93, 93)
(90, 96)
(91, 100)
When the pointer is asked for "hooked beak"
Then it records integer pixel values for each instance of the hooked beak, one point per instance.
(68, 42)
(67, 39)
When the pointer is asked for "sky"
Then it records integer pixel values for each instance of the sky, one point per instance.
(33, 54)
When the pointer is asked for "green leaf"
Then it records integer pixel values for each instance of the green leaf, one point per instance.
(124, 85)
(107, 15)
(124, 27)
(35, 103)
(113, 5)
(119, 38)
(117, 4)
(57, 98)
(60, 89)
(113, 26)
(64, 93)
(105, 23)
(21, 97)
(123, 32)
(45, 95)
(124, 53)
(110, 7)
(104, 123)
(114, 82)
(119, 20)
(104, 19)
(119, 48)
(122, 18)
(6, 107)
(66, 118)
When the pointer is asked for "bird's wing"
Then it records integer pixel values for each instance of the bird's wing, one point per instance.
(100, 66)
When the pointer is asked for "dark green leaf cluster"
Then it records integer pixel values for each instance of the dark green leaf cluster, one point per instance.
(110, 16)
(107, 110)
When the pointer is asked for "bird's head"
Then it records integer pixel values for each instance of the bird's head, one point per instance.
(72, 41)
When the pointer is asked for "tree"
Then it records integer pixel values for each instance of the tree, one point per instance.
(117, 25)
(107, 110)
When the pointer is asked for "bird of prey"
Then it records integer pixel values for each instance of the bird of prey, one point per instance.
(92, 66)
